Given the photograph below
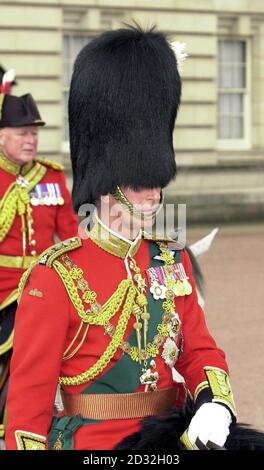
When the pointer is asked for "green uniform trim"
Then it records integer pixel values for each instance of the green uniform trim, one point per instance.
(61, 435)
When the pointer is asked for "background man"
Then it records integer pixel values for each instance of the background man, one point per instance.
(34, 206)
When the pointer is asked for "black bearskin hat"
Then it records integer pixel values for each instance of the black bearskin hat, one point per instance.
(124, 96)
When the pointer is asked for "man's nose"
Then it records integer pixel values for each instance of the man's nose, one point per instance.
(31, 138)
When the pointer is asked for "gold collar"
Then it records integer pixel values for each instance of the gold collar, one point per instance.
(13, 168)
(112, 242)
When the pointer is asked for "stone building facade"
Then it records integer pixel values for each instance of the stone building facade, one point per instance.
(219, 136)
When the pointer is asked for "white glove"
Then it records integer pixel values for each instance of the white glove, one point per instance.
(210, 423)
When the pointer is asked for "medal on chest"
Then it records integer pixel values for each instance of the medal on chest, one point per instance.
(46, 194)
(162, 278)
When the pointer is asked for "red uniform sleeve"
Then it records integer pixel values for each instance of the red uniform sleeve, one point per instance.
(199, 348)
(66, 219)
(40, 332)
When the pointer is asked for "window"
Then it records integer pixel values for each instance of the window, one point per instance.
(72, 44)
(233, 94)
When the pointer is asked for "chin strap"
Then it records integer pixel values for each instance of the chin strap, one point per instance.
(120, 197)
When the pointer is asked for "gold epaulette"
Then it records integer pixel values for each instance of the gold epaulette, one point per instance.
(48, 256)
(50, 163)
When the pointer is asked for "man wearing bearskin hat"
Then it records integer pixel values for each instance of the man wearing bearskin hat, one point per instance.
(117, 321)
(34, 205)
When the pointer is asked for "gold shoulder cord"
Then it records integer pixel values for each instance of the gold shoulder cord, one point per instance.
(108, 310)
(95, 316)
(46, 259)
(111, 349)
(57, 257)
(16, 200)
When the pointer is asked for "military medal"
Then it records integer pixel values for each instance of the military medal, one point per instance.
(149, 378)
(156, 278)
(170, 352)
(47, 198)
(49, 194)
(38, 193)
(158, 291)
(162, 278)
(185, 287)
(21, 181)
(54, 197)
(179, 290)
(34, 197)
(34, 200)
(174, 325)
(51, 191)
(59, 197)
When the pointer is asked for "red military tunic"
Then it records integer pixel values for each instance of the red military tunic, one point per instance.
(46, 325)
(48, 220)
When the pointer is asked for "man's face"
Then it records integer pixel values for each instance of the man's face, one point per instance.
(145, 201)
(19, 144)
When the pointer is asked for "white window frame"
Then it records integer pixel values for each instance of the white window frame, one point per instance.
(65, 145)
(245, 142)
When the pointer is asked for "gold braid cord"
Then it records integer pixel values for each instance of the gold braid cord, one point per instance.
(107, 311)
(111, 349)
(16, 199)
(47, 257)
(80, 294)
(72, 290)
(125, 294)
(128, 298)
